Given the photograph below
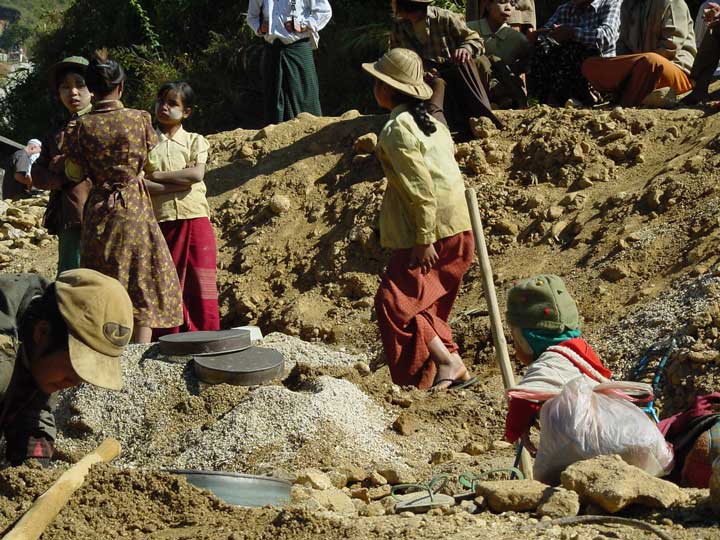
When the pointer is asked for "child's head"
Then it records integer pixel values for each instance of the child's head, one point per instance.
(400, 80)
(499, 11)
(541, 313)
(105, 77)
(410, 9)
(67, 80)
(174, 103)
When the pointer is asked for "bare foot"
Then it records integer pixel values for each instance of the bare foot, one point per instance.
(450, 372)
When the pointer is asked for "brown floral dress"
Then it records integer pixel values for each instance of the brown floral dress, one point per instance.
(120, 236)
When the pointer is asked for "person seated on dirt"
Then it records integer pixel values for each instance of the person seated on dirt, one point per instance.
(656, 50)
(18, 185)
(708, 56)
(452, 50)
(695, 436)
(522, 19)
(578, 30)
(545, 327)
(508, 51)
(55, 336)
(425, 221)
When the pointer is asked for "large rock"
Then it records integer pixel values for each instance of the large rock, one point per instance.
(612, 484)
(334, 500)
(559, 504)
(314, 478)
(526, 496)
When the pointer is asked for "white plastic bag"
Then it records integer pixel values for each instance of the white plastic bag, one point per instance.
(586, 420)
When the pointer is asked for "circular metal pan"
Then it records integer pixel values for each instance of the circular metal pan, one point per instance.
(240, 489)
(245, 368)
(200, 343)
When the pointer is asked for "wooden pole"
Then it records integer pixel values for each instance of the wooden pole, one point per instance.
(43, 511)
(496, 326)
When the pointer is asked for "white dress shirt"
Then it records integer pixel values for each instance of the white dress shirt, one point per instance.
(310, 14)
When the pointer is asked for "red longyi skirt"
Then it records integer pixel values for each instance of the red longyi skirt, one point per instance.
(413, 308)
(194, 251)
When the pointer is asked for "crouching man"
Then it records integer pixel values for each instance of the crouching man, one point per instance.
(55, 336)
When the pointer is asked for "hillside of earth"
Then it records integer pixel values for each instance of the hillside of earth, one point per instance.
(623, 204)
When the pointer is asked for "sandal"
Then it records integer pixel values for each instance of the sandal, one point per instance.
(425, 498)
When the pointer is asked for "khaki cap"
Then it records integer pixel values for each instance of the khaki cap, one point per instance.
(99, 316)
(542, 303)
(77, 62)
(403, 70)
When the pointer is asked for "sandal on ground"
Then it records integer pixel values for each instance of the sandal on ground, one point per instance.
(469, 480)
(425, 497)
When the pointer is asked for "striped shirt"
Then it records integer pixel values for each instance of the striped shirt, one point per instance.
(596, 25)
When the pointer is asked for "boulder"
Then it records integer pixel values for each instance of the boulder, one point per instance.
(279, 204)
(353, 473)
(314, 478)
(334, 500)
(559, 504)
(612, 484)
(512, 495)
(366, 144)
(397, 475)
(475, 448)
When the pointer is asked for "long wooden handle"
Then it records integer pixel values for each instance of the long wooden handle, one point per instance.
(32, 525)
(496, 326)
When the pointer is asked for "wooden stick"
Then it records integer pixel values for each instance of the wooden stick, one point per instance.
(496, 326)
(32, 525)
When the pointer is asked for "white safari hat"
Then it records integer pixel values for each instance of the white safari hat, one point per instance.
(403, 70)
(99, 316)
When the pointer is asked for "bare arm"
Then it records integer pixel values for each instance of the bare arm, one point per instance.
(183, 177)
(156, 188)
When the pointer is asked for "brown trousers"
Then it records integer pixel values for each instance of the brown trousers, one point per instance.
(634, 76)
(466, 94)
(706, 61)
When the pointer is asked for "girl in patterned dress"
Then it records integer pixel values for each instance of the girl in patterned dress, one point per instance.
(121, 237)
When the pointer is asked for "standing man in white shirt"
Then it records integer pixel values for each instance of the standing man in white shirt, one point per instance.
(291, 32)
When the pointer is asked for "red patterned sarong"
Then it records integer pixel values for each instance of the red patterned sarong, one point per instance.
(194, 252)
(413, 308)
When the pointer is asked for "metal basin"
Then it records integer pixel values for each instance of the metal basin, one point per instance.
(239, 489)
(206, 342)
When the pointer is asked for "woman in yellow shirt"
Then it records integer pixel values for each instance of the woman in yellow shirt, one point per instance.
(174, 177)
(424, 220)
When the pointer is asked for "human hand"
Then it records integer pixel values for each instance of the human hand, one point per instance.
(264, 28)
(57, 165)
(562, 33)
(461, 55)
(424, 257)
(711, 13)
(528, 444)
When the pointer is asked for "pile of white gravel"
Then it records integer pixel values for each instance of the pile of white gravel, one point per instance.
(624, 343)
(165, 418)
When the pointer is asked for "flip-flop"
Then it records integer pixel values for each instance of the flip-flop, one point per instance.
(455, 384)
(425, 498)
(468, 480)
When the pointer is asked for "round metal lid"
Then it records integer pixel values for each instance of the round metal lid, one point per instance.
(206, 342)
(252, 366)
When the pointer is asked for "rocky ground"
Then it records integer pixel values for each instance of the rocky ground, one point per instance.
(622, 203)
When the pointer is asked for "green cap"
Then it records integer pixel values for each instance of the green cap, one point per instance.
(77, 62)
(542, 303)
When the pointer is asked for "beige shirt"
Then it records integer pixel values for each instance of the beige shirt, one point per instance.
(507, 43)
(182, 151)
(425, 197)
(664, 27)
